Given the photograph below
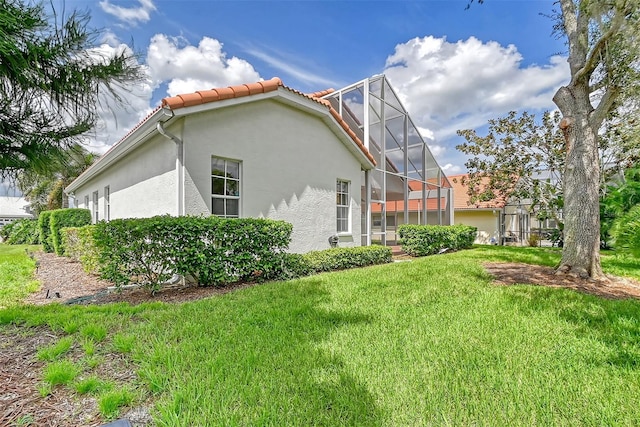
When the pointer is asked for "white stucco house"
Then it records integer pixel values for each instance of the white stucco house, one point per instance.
(256, 150)
(253, 150)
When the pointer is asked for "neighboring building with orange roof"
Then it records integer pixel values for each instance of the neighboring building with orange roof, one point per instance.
(263, 150)
(498, 221)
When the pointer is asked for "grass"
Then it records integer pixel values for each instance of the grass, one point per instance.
(427, 342)
(60, 372)
(56, 350)
(111, 402)
(16, 274)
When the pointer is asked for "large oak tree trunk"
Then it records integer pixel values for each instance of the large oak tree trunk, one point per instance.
(581, 212)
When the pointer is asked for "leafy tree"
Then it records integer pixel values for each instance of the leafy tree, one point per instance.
(44, 190)
(518, 159)
(603, 49)
(50, 80)
(522, 159)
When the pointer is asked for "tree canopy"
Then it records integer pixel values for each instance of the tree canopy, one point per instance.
(51, 75)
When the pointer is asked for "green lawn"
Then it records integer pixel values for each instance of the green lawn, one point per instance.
(16, 274)
(427, 342)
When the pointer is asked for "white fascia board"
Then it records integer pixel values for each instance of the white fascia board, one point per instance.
(135, 139)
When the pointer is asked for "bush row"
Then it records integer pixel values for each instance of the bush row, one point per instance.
(21, 232)
(208, 250)
(421, 240)
(78, 244)
(298, 265)
(50, 224)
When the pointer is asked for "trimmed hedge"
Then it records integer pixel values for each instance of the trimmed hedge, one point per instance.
(79, 245)
(344, 258)
(211, 250)
(61, 218)
(421, 240)
(21, 232)
(45, 231)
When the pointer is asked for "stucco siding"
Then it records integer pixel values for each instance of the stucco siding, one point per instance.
(142, 184)
(290, 161)
(486, 221)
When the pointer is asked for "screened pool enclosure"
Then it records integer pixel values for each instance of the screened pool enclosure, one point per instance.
(407, 186)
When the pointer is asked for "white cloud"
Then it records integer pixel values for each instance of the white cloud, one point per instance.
(116, 117)
(130, 15)
(286, 65)
(450, 169)
(450, 86)
(188, 68)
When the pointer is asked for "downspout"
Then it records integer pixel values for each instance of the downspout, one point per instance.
(179, 160)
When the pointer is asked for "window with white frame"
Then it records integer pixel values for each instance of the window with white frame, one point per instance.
(107, 203)
(86, 201)
(225, 187)
(342, 204)
(95, 207)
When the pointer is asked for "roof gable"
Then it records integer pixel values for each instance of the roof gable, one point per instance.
(238, 91)
(462, 200)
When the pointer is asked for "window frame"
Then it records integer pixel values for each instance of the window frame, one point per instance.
(225, 187)
(343, 223)
(95, 206)
(107, 203)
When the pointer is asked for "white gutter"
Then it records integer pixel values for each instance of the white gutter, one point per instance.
(179, 160)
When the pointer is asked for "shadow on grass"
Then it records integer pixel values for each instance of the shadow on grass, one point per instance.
(542, 256)
(613, 323)
(261, 357)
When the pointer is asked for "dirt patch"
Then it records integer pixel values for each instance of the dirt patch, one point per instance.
(65, 281)
(20, 377)
(611, 287)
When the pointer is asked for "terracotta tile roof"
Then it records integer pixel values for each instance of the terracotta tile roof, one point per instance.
(321, 93)
(461, 199)
(414, 205)
(219, 94)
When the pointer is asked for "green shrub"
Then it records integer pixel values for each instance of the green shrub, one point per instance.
(45, 231)
(293, 266)
(79, 245)
(421, 240)
(626, 231)
(211, 250)
(343, 258)
(61, 218)
(21, 232)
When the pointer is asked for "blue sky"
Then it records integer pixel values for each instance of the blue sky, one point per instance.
(453, 68)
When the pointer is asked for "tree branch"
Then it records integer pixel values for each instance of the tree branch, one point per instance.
(604, 106)
(595, 56)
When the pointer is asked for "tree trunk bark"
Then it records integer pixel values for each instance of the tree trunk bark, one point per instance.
(581, 211)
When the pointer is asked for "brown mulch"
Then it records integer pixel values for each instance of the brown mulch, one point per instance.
(611, 287)
(64, 281)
